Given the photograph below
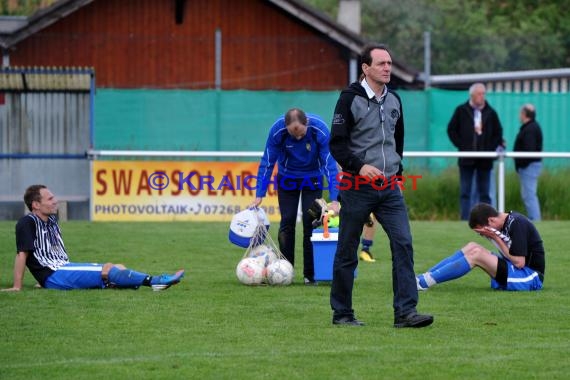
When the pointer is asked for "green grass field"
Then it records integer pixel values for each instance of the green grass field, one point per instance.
(212, 327)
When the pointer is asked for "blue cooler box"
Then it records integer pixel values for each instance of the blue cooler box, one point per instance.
(324, 250)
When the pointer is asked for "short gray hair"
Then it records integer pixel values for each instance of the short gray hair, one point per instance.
(529, 111)
(475, 86)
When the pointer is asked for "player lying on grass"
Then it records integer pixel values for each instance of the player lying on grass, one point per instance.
(40, 247)
(519, 265)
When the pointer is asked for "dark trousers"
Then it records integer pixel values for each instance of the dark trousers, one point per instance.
(390, 210)
(288, 193)
(482, 179)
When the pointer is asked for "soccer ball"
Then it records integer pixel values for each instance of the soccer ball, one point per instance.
(280, 273)
(249, 271)
(264, 254)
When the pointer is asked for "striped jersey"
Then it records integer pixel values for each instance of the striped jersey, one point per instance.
(43, 243)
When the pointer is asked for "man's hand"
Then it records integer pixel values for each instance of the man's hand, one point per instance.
(19, 269)
(486, 231)
(13, 289)
(334, 206)
(256, 202)
(489, 232)
(370, 171)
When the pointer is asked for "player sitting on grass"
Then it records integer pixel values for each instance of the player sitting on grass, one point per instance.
(40, 248)
(519, 265)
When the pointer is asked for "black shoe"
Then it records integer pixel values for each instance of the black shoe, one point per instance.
(347, 321)
(413, 320)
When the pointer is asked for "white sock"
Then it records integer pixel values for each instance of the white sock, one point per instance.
(429, 279)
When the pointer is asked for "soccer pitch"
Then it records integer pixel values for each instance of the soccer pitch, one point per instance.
(212, 327)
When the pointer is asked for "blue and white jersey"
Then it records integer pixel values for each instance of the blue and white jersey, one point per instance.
(43, 243)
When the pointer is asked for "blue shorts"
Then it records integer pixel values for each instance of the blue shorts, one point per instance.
(523, 279)
(76, 276)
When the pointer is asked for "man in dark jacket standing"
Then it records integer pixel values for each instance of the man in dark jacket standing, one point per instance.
(529, 139)
(367, 141)
(475, 126)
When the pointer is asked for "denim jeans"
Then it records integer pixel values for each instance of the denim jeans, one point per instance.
(482, 181)
(492, 189)
(529, 181)
(390, 210)
(288, 193)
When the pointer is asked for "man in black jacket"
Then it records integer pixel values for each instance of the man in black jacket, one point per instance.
(367, 141)
(475, 126)
(529, 139)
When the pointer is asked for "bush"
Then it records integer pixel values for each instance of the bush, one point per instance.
(436, 196)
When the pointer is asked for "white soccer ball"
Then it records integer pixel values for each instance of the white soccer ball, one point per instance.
(264, 254)
(249, 271)
(280, 272)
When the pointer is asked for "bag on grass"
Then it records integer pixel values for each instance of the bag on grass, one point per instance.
(244, 224)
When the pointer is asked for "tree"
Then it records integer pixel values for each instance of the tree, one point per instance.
(22, 7)
(469, 36)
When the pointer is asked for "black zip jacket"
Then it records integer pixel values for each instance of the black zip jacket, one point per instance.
(529, 139)
(365, 131)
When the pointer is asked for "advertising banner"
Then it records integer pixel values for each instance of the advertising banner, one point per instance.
(175, 191)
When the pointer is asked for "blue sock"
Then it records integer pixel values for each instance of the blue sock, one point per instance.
(366, 244)
(452, 270)
(127, 278)
(446, 261)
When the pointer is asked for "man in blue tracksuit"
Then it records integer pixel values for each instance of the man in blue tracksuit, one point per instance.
(299, 144)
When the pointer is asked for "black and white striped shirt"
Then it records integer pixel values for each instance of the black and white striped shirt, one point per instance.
(44, 244)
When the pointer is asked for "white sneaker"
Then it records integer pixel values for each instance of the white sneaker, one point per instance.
(309, 282)
(419, 286)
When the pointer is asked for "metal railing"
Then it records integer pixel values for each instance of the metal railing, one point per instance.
(500, 156)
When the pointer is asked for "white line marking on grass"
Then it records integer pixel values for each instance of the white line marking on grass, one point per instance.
(155, 358)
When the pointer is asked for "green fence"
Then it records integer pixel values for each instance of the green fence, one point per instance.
(239, 120)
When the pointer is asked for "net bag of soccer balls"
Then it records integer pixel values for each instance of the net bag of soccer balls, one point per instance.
(262, 262)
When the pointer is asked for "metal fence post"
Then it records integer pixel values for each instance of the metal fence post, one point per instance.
(501, 180)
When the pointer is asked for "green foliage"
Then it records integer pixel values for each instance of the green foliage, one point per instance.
(554, 195)
(330, 7)
(22, 7)
(212, 327)
(437, 195)
(469, 36)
